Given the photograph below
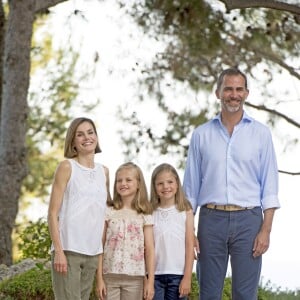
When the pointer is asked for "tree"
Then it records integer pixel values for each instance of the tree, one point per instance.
(201, 38)
(15, 46)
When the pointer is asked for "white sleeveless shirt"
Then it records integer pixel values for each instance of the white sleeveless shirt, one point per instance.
(81, 217)
(169, 238)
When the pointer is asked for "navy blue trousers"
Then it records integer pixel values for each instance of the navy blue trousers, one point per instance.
(167, 287)
(223, 235)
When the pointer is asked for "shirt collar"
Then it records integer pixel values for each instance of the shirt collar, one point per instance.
(245, 118)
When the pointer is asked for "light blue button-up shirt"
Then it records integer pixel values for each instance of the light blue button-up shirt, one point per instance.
(240, 169)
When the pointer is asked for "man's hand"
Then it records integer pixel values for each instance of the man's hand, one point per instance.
(261, 243)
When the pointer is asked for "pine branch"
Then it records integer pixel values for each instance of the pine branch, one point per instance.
(41, 5)
(274, 112)
(278, 5)
(289, 173)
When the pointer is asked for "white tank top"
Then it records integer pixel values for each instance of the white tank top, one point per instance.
(169, 238)
(81, 218)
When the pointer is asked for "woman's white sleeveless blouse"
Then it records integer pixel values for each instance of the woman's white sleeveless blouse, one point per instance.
(81, 218)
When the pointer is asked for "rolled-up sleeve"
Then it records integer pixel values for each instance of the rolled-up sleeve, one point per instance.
(269, 174)
(192, 175)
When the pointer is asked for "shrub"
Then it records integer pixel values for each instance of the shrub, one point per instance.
(195, 289)
(34, 284)
(35, 240)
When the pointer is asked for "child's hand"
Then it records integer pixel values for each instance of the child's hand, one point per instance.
(184, 287)
(100, 289)
(148, 289)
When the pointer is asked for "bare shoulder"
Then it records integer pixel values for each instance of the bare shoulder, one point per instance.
(63, 170)
(64, 166)
(190, 216)
(106, 170)
(190, 213)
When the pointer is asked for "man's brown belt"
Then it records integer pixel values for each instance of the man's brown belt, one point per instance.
(229, 207)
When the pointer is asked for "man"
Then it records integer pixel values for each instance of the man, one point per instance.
(231, 173)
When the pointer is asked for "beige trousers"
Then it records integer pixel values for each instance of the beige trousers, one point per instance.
(124, 287)
(78, 282)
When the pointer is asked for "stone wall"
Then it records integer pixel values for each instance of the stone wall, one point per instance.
(19, 268)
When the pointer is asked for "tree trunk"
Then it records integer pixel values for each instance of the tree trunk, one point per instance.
(16, 67)
(2, 30)
(14, 110)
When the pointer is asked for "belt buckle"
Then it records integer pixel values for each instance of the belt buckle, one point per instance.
(232, 207)
(227, 207)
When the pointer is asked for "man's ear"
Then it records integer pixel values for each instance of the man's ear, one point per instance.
(217, 94)
(247, 93)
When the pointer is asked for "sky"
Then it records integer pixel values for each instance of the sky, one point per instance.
(121, 46)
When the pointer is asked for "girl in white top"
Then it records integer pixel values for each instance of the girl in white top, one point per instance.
(128, 240)
(76, 213)
(173, 235)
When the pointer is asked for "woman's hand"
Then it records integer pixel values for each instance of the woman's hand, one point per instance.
(60, 262)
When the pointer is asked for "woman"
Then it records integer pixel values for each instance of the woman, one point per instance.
(76, 213)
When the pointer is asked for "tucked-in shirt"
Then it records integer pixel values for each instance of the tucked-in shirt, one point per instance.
(240, 169)
(124, 248)
(81, 217)
(169, 237)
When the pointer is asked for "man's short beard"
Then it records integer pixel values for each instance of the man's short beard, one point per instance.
(231, 109)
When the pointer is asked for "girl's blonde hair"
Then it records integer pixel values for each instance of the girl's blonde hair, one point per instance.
(70, 151)
(181, 202)
(140, 202)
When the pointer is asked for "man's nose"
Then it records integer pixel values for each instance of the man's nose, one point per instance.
(234, 94)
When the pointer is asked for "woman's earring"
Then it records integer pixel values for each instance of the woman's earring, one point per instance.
(74, 149)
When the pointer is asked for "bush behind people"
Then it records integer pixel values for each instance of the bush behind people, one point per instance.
(35, 284)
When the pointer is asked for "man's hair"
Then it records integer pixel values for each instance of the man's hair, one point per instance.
(231, 72)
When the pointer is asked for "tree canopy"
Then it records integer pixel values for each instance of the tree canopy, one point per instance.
(203, 37)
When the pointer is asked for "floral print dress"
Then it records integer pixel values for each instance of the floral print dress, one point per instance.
(124, 245)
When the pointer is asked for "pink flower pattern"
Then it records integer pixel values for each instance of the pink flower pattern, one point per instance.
(124, 246)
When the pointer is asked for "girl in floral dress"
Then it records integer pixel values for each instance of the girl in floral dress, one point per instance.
(128, 240)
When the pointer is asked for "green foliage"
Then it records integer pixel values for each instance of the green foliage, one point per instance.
(54, 90)
(268, 292)
(34, 284)
(195, 288)
(201, 39)
(35, 243)
(265, 292)
(50, 106)
(227, 289)
(34, 240)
